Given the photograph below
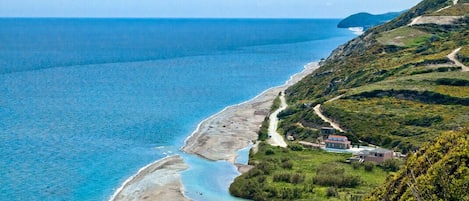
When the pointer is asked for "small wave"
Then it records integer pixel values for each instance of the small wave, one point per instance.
(357, 30)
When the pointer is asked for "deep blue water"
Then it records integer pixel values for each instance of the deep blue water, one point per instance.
(85, 103)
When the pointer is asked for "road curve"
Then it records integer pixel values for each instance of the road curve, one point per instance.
(275, 139)
(317, 110)
(452, 57)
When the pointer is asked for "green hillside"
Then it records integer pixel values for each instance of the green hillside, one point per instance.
(438, 171)
(390, 77)
(366, 20)
(404, 86)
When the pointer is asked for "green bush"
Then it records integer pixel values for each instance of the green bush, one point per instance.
(356, 165)
(295, 147)
(332, 192)
(329, 175)
(263, 133)
(287, 165)
(391, 165)
(269, 152)
(369, 166)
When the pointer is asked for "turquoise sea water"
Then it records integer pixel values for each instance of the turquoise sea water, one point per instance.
(85, 103)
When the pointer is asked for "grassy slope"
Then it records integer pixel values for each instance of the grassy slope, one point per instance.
(258, 183)
(438, 171)
(399, 92)
(391, 58)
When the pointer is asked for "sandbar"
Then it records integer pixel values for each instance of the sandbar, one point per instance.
(160, 180)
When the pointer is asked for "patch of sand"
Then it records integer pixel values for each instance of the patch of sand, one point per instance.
(160, 180)
(440, 20)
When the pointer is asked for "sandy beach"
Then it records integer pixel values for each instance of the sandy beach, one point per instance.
(158, 181)
(220, 136)
(217, 138)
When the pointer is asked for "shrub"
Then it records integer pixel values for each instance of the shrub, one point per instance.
(369, 166)
(269, 152)
(263, 133)
(281, 177)
(296, 147)
(297, 178)
(391, 165)
(332, 192)
(287, 165)
(266, 167)
(356, 165)
(329, 175)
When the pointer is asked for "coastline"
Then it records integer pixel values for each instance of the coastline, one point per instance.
(219, 137)
(160, 179)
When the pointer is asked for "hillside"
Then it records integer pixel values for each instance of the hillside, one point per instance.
(438, 171)
(403, 85)
(366, 20)
(399, 87)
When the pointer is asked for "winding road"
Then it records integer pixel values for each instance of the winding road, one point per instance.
(317, 110)
(452, 57)
(275, 138)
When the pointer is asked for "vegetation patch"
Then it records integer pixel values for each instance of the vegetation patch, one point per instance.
(463, 55)
(421, 96)
(438, 171)
(303, 175)
(459, 9)
(393, 123)
(404, 37)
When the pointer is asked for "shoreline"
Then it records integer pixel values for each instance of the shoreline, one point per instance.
(218, 137)
(160, 179)
(221, 135)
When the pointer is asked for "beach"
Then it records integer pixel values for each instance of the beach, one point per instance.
(218, 137)
(160, 180)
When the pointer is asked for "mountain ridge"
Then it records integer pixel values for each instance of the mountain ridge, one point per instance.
(367, 20)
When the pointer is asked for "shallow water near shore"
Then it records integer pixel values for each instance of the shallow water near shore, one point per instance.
(85, 103)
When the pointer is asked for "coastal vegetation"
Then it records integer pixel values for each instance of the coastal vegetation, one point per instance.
(438, 171)
(394, 86)
(399, 88)
(295, 173)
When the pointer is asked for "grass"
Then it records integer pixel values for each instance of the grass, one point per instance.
(463, 55)
(456, 10)
(404, 37)
(306, 163)
(423, 82)
(394, 123)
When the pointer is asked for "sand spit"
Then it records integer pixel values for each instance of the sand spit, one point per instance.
(220, 136)
(158, 181)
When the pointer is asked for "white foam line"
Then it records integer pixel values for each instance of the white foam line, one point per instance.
(306, 67)
(113, 197)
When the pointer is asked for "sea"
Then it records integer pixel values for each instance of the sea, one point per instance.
(85, 103)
